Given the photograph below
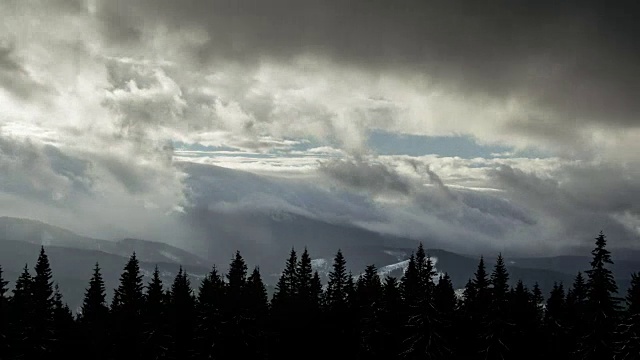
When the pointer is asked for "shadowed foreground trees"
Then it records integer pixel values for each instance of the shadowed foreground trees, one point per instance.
(418, 316)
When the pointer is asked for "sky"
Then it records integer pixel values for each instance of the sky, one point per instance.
(510, 124)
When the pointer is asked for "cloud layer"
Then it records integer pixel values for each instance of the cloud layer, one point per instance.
(95, 94)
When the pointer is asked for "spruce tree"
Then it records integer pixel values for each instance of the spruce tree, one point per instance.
(445, 302)
(391, 320)
(64, 327)
(22, 317)
(337, 286)
(256, 315)
(555, 322)
(576, 304)
(339, 318)
(235, 311)
(126, 309)
(368, 310)
(526, 330)
(181, 311)
(211, 295)
(629, 329)
(285, 308)
(424, 324)
(497, 327)
(43, 306)
(4, 317)
(93, 318)
(155, 325)
(477, 300)
(602, 306)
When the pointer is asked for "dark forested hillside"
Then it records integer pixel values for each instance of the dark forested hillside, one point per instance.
(416, 316)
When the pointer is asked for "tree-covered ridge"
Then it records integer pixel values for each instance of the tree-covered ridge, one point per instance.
(418, 316)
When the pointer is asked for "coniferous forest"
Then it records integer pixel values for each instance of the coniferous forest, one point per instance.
(418, 316)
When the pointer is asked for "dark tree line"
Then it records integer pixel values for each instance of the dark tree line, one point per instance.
(418, 316)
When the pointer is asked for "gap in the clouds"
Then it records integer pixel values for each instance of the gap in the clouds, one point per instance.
(388, 143)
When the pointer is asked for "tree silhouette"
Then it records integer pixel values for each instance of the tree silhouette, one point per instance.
(209, 306)
(155, 327)
(4, 317)
(629, 329)
(42, 300)
(126, 308)
(602, 306)
(181, 317)
(93, 318)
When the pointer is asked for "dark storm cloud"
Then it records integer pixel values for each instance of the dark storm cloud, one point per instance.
(583, 198)
(360, 175)
(577, 60)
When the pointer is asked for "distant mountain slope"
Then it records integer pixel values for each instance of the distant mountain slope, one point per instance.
(39, 233)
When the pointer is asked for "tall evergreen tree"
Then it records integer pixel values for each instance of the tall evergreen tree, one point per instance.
(43, 306)
(22, 317)
(576, 304)
(602, 306)
(210, 302)
(154, 316)
(285, 308)
(235, 311)
(93, 318)
(64, 329)
(523, 313)
(445, 301)
(4, 317)
(368, 307)
(181, 311)
(477, 300)
(391, 320)
(497, 327)
(126, 309)
(629, 328)
(555, 322)
(337, 307)
(257, 311)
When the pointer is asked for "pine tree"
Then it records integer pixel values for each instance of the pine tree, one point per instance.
(629, 329)
(424, 324)
(538, 301)
(64, 328)
(285, 306)
(337, 286)
(43, 306)
(555, 322)
(339, 318)
(126, 309)
(235, 311)
(304, 284)
(602, 307)
(477, 300)
(287, 285)
(22, 317)
(391, 320)
(155, 326)
(576, 304)
(211, 295)
(497, 326)
(523, 312)
(4, 317)
(181, 311)
(445, 302)
(93, 318)
(257, 311)
(367, 305)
